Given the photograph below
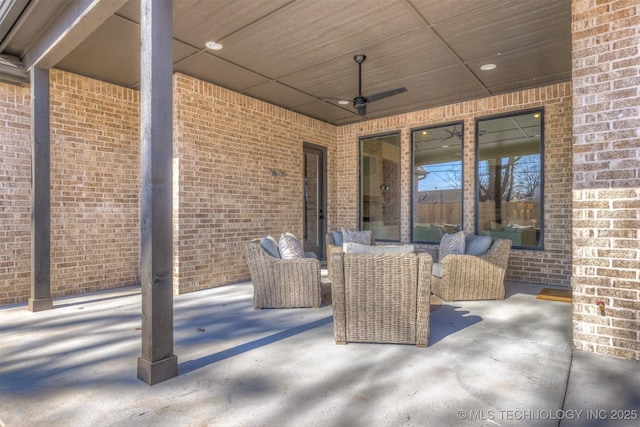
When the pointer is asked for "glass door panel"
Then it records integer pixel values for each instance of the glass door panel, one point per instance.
(314, 197)
(380, 186)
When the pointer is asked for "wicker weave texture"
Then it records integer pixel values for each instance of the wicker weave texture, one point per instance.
(332, 249)
(469, 277)
(381, 298)
(283, 283)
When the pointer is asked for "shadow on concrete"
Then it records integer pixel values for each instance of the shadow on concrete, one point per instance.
(95, 298)
(447, 320)
(192, 365)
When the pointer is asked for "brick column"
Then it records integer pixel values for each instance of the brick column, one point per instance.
(606, 177)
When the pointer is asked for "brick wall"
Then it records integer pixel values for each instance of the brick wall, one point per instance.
(226, 145)
(94, 187)
(606, 179)
(15, 194)
(95, 163)
(551, 266)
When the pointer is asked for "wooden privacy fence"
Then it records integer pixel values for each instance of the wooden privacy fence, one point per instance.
(523, 213)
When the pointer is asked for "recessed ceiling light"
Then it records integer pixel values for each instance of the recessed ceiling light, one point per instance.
(424, 132)
(487, 67)
(213, 45)
(343, 102)
(536, 116)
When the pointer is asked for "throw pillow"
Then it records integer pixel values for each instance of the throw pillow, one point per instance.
(357, 248)
(337, 238)
(290, 247)
(477, 245)
(270, 245)
(362, 237)
(452, 244)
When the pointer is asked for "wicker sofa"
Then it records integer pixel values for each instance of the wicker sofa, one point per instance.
(282, 283)
(473, 277)
(381, 298)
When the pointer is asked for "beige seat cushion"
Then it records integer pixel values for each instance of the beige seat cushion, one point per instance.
(357, 248)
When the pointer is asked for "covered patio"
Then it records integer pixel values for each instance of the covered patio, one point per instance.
(488, 363)
(109, 188)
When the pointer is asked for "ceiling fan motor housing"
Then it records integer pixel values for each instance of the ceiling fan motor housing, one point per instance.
(359, 102)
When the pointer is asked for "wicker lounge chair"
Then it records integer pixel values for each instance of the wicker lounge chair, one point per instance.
(473, 277)
(282, 283)
(332, 249)
(381, 298)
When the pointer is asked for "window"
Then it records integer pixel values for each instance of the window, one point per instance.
(380, 186)
(509, 178)
(437, 182)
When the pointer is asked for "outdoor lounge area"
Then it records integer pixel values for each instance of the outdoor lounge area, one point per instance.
(488, 363)
(147, 146)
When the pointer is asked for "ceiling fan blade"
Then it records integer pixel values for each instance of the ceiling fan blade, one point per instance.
(386, 94)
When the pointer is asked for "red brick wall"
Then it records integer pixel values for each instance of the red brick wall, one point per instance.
(606, 178)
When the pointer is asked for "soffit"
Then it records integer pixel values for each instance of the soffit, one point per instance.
(299, 53)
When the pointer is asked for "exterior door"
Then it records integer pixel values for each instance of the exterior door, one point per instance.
(314, 199)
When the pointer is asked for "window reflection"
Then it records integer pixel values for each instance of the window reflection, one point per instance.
(509, 178)
(437, 182)
(380, 186)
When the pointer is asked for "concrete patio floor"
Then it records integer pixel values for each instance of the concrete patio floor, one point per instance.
(488, 363)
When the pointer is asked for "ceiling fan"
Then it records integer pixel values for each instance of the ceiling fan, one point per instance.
(360, 102)
(452, 133)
